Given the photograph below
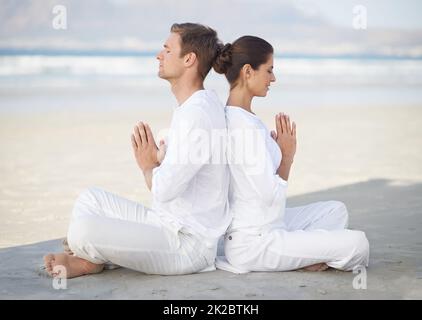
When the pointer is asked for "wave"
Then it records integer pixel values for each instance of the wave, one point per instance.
(80, 70)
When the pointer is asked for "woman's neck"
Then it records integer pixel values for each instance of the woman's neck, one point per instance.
(240, 98)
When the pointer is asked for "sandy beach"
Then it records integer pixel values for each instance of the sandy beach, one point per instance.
(368, 157)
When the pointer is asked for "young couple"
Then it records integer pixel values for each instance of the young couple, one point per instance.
(195, 203)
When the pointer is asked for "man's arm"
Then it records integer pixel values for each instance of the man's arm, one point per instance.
(148, 178)
(188, 151)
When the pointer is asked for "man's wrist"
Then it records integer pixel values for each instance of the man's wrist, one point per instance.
(149, 169)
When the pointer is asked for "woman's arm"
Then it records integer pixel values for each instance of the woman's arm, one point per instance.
(286, 140)
(284, 168)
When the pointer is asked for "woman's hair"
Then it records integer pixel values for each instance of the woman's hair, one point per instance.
(245, 50)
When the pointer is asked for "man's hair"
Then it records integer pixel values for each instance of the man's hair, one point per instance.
(201, 40)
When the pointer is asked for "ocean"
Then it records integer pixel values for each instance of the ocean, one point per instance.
(32, 82)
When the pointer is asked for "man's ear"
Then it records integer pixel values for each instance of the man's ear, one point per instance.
(190, 59)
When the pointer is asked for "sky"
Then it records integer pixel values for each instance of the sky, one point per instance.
(394, 14)
(323, 27)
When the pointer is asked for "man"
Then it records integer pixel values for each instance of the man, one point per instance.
(179, 234)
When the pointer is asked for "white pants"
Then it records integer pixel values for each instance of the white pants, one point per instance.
(314, 234)
(107, 228)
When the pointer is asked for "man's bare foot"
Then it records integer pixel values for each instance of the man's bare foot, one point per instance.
(66, 248)
(62, 265)
(316, 267)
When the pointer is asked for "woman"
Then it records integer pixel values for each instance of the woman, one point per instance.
(264, 234)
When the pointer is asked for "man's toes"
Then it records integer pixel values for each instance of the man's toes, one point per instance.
(58, 268)
(48, 257)
(48, 260)
(323, 267)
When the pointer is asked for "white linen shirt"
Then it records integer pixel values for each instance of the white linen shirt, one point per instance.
(257, 194)
(190, 187)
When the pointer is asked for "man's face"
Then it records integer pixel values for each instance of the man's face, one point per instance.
(171, 64)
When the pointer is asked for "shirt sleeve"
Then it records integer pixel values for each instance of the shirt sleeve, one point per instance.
(188, 151)
(252, 157)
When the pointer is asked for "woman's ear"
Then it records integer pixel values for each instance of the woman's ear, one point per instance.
(247, 71)
(190, 59)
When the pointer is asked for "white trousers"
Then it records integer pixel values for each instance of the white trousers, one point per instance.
(315, 233)
(107, 228)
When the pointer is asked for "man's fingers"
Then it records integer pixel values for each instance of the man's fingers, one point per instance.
(273, 134)
(148, 131)
(141, 129)
(294, 129)
(137, 136)
(134, 145)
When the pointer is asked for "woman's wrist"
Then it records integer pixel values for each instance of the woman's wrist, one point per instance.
(287, 159)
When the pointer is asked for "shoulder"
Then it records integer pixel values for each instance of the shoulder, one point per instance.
(203, 108)
(238, 118)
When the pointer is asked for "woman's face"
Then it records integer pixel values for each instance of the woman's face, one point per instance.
(259, 80)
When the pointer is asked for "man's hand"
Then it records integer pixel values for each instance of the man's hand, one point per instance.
(161, 153)
(144, 148)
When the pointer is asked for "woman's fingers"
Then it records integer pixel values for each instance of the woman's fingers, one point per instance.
(273, 135)
(294, 129)
(278, 124)
(283, 124)
(287, 119)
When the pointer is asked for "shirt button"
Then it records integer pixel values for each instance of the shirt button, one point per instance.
(230, 237)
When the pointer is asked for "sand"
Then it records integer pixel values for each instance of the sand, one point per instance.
(368, 157)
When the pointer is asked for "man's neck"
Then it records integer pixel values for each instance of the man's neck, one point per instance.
(182, 90)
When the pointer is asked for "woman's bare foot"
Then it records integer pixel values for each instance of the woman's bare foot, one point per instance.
(316, 267)
(62, 265)
(66, 248)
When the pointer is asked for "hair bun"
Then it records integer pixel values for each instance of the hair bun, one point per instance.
(224, 59)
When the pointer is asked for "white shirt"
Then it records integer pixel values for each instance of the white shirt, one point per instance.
(191, 184)
(257, 194)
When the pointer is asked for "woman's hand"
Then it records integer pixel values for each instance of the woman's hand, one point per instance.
(285, 136)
